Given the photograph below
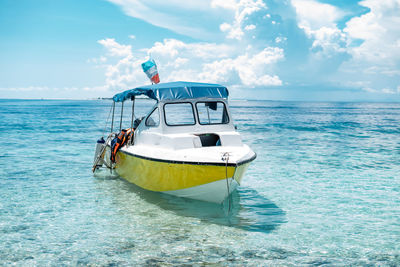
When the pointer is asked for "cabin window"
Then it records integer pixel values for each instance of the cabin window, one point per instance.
(212, 112)
(154, 119)
(179, 114)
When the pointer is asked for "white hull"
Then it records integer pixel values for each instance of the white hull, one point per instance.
(212, 192)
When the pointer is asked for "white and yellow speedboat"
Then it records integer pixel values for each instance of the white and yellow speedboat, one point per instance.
(186, 146)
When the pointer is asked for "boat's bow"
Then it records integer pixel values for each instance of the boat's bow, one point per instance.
(208, 174)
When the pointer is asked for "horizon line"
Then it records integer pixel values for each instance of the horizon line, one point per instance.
(233, 99)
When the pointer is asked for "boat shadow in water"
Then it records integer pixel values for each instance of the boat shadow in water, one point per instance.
(245, 209)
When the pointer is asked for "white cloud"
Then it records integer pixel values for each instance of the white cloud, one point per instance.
(369, 90)
(116, 49)
(122, 70)
(242, 9)
(383, 91)
(388, 91)
(132, 36)
(233, 31)
(97, 89)
(171, 48)
(379, 29)
(245, 70)
(168, 14)
(376, 58)
(318, 20)
(203, 62)
(280, 39)
(226, 4)
(250, 27)
(331, 40)
(313, 15)
(196, 61)
(332, 52)
(177, 63)
(367, 49)
(216, 63)
(97, 60)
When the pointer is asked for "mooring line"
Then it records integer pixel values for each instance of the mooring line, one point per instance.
(225, 157)
(108, 117)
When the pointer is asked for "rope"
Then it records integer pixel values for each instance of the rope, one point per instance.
(225, 157)
(108, 117)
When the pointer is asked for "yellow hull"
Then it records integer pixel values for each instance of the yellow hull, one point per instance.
(157, 175)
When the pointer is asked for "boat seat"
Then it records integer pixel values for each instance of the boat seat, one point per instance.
(209, 140)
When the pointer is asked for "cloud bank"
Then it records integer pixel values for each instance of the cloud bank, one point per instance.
(266, 44)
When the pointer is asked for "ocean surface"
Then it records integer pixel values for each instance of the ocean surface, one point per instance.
(324, 190)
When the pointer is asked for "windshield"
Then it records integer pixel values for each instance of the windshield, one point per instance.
(179, 114)
(212, 112)
(208, 112)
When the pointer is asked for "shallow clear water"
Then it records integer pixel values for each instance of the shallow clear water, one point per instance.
(325, 189)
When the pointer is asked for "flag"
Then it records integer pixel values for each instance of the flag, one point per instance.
(150, 68)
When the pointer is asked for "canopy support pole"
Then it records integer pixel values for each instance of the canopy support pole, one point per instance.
(132, 117)
(133, 110)
(208, 114)
(112, 121)
(122, 111)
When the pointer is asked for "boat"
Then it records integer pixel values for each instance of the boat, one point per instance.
(186, 146)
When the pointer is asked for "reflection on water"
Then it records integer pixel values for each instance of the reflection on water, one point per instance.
(245, 208)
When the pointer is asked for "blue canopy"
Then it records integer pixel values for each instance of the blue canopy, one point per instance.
(175, 90)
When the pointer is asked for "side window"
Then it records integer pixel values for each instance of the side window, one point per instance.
(179, 114)
(212, 112)
(154, 119)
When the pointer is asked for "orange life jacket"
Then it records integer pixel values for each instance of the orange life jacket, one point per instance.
(120, 141)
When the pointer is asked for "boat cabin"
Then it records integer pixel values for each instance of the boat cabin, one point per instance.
(186, 115)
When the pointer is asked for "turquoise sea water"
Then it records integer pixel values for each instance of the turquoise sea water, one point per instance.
(324, 190)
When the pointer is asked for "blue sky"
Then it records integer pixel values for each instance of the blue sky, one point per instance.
(322, 50)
